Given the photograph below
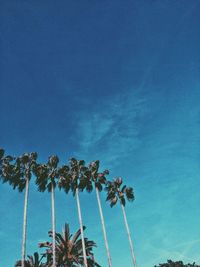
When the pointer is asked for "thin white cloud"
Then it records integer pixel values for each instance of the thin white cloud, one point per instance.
(112, 130)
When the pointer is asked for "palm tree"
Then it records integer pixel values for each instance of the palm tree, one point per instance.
(25, 165)
(115, 193)
(69, 179)
(69, 251)
(33, 261)
(93, 177)
(46, 175)
(18, 175)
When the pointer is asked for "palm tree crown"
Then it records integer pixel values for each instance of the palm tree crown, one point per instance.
(24, 167)
(115, 192)
(33, 261)
(69, 176)
(46, 174)
(91, 176)
(17, 170)
(77, 172)
(69, 249)
(64, 178)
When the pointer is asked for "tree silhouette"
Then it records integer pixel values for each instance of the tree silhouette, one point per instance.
(32, 261)
(69, 250)
(171, 263)
(69, 179)
(17, 171)
(117, 192)
(93, 178)
(18, 175)
(46, 180)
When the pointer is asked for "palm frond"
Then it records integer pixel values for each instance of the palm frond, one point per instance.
(2, 152)
(118, 181)
(98, 186)
(123, 201)
(53, 161)
(69, 251)
(113, 201)
(129, 193)
(21, 185)
(77, 235)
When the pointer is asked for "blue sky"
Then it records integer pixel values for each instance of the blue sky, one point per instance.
(111, 80)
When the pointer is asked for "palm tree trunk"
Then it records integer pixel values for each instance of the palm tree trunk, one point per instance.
(129, 236)
(53, 226)
(103, 227)
(81, 228)
(25, 223)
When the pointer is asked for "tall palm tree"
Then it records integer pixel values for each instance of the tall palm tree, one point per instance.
(69, 179)
(46, 175)
(116, 191)
(77, 168)
(69, 251)
(25, 165)
(94, 178)
(18, 174)
(33, 261)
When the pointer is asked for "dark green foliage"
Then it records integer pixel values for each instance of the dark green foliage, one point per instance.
(33, 261)
(23, 168)
(117, 191)
(73, 176)
(98, 178)
(69, 251)
(46, 174)
(2, 151)
(129, 193)
(6, 167)
(77, 173)
(16, 170)
(91, 176)
(171, 263)
(6, 170)
(53, 162)
(64, 180)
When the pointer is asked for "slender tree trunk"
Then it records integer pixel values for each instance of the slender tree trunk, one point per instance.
(129, 236)
(53, 227)
(25, 223)
(81, 228)
(103, 227)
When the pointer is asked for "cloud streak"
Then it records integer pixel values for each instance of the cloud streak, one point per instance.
(112, 130)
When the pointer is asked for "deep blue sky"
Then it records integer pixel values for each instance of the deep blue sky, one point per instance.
(117, 81)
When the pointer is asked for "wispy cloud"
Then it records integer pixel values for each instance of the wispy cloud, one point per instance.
(177, 252)
(111, 131)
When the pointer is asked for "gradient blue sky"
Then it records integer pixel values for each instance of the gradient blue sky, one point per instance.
(117, 81)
